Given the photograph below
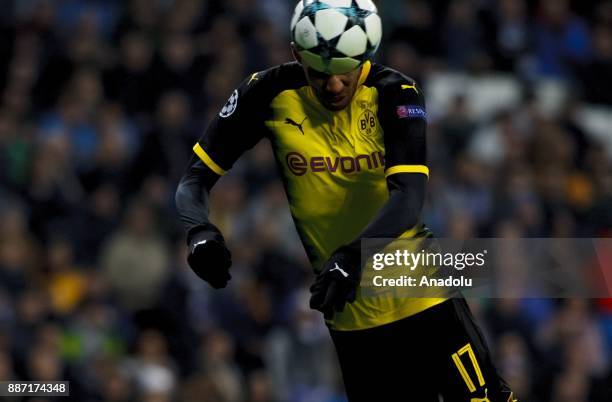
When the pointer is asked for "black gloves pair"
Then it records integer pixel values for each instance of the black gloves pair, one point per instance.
(208, 256)
(337, 283)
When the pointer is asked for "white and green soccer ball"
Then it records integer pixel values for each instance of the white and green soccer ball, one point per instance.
(336, 36)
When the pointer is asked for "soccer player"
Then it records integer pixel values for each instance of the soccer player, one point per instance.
(349, 140)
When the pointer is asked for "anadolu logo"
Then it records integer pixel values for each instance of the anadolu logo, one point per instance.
(299, 165)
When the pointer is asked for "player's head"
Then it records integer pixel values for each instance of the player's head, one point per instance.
(332, 39)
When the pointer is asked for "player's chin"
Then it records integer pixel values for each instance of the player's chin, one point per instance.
(336, 104)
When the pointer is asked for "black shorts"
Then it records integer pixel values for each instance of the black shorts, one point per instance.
(439, 351)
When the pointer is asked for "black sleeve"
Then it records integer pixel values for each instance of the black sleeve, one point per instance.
(403, 118)
(238, 126)
(401, 212)
(191, 197)
(402, 115)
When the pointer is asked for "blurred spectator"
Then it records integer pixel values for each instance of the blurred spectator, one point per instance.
(116, 386)
(260, 168)
(93, 333)
(418, 23)
(83, 50)
(53, 189)
(574, 331)
(511, 35)
(596, 74)
(463, 36)
(218, 363)
(130, 80)
(95, 222)
(514, 364)
(228, 205)
(201, 388)
(152, 368)
(299, 357)
(16, 148)
(169, 142)
(260, 389)
(65, 282)
(457, 127)
(18, 257)
(179, 67)
(405, 59)
(499, 142)
(562, 40)
(135, 259)
(139, 15)
(188, 16)
(6, 369)
(118, 145)
(44, 365)
(570, 386)
(69, 127)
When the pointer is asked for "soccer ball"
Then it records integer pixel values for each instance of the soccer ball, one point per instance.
(336, 36)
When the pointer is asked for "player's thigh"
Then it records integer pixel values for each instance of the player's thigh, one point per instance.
(385, 364)
(467, 370)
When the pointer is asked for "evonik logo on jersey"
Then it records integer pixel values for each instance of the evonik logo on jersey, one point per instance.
(299, 164)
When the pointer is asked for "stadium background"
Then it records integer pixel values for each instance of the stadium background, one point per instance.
(100, 103)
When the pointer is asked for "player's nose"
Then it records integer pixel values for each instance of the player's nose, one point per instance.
(334, 84)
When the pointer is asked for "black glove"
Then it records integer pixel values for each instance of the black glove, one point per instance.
(208, 256)
(337, 283)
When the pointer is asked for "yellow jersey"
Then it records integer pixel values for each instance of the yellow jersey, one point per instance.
(333, 163)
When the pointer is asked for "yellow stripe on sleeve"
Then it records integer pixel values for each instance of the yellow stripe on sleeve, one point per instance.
(207, 160)
(407, 169)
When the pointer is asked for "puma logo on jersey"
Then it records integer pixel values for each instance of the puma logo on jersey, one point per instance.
(291, 122)
(253, 78)
(511, 398)
(485, 399)
(413, 86)
(337, 268)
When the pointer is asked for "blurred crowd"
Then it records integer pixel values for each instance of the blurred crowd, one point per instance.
(100, 104)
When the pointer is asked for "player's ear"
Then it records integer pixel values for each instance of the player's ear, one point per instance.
(295, 53)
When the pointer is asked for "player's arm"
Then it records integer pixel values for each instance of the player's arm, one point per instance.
(230, 134)
(402, 116)
(208, 255)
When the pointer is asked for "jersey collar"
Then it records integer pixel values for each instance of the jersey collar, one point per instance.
(365, 71)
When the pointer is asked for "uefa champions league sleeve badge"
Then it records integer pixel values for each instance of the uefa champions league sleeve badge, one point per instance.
(230, 106)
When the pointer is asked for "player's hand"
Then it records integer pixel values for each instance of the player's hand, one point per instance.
(209, 258)
(337, 284)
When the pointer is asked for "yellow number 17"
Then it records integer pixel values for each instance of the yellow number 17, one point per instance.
(464, 374)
